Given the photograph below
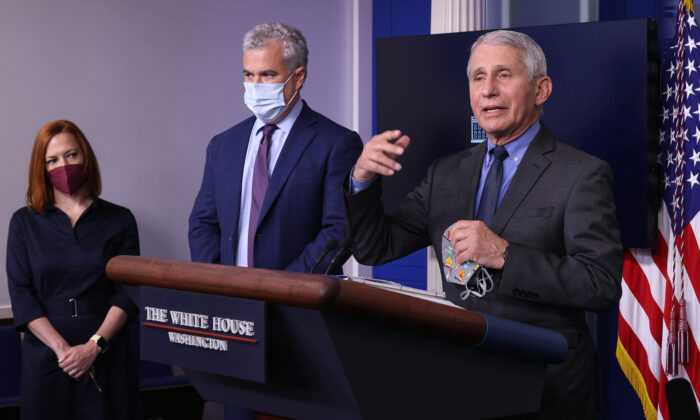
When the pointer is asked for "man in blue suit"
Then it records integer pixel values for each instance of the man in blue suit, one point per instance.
(270, 195)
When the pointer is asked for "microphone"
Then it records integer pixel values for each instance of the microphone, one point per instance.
(330, 246)
(681, 402)
(344, 246)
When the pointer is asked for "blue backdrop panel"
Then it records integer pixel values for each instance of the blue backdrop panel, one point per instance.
(399, 18)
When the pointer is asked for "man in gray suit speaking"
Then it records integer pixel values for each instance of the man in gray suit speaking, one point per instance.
(538, 214)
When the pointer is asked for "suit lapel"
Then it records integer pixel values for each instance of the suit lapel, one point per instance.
(299, 137)
(470, 171)
(528, 172)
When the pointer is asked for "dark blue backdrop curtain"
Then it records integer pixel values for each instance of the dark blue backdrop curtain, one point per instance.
(399, 18)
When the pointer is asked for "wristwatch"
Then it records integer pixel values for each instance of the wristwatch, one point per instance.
(101, 342)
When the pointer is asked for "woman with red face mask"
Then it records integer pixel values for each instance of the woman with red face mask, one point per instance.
(76, 358)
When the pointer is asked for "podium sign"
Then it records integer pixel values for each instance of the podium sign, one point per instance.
(208, 333)
(327, 348)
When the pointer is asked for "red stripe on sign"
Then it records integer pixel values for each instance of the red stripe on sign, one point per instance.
(168, 327)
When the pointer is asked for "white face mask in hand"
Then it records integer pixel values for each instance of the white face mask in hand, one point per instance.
(266, 100)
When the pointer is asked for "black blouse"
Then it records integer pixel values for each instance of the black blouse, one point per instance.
(50, 261)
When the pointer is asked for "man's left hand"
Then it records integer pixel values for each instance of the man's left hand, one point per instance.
(473, 241)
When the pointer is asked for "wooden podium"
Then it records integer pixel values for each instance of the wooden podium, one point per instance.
(319, 347)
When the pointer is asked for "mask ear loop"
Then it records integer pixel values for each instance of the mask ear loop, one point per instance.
(480, 284)
(295, 90)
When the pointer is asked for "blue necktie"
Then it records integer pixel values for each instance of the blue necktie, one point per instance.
(259, 187)
(492, 186)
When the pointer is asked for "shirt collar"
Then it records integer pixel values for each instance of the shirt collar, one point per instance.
(96, 203)
(516, 148)
(286, 123)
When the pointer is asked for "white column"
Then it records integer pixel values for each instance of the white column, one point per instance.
(361, 92)
(588, 10)
(456, 16)
(505, 13)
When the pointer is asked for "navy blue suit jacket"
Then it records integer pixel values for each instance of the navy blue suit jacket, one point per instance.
(303, 206)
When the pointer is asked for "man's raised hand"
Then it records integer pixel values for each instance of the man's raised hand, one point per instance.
(379, 155)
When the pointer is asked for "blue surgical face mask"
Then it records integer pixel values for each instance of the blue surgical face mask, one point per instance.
(266, 100)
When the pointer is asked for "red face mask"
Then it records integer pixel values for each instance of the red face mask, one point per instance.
(68, 178)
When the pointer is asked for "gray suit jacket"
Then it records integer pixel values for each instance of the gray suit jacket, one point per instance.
(564, 255)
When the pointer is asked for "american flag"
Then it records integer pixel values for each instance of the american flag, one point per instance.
(659, 319)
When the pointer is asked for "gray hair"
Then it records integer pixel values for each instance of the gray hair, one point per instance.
(533, 56)
(296, 54)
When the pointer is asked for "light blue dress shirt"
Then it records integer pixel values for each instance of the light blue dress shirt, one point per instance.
(279, 137)
(516, 149)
